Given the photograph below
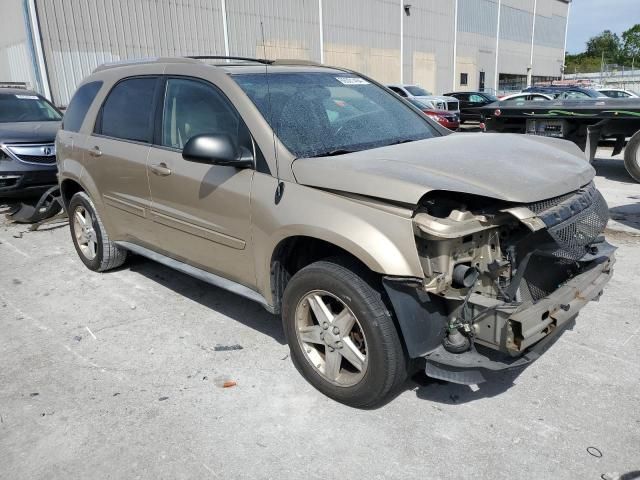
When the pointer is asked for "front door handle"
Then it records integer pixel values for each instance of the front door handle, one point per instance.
(160, 169)
(95, 152)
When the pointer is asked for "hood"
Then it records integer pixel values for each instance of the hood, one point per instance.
(444, 113)
(445, 98)
(441, 98)
(29, 132)
(512, 167)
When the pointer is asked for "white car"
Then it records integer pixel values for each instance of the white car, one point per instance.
(618, 93)
(435, 102)
(526, 97)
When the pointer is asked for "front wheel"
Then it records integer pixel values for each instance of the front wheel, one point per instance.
(341, 335)
(632, 157)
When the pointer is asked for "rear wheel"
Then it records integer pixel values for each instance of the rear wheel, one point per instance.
(632, 157)
(90, 238)
(342, 337)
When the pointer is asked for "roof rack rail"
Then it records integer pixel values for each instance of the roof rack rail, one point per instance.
(295, 61)
(224, 57)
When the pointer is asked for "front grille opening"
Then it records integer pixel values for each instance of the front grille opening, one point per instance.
(543, 276)
(45, 160)
(9, 181)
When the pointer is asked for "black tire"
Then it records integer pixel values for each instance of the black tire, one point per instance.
(386, 361)
(632, 157)
(108, 254)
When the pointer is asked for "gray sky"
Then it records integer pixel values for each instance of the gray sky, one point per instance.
(590, 17)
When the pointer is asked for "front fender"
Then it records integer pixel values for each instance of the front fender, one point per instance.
(380, 239)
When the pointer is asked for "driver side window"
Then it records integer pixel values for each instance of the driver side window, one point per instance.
(192, 108)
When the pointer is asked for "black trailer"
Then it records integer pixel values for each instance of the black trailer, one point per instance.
(587, 123)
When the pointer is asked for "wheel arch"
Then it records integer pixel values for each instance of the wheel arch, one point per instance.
(68, 188)
(294, 252)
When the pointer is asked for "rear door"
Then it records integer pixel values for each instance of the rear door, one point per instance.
(116, 156)
(201, 212)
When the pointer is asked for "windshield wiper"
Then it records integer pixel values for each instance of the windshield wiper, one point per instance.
(333, 153)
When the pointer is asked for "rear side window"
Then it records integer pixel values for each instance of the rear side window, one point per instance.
(127, 113)
(79, 106)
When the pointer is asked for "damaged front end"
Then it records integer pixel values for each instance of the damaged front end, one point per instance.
(500, 280)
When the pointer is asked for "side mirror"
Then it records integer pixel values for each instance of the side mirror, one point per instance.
(216, 150)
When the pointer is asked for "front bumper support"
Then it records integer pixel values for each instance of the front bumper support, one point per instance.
(560, 307)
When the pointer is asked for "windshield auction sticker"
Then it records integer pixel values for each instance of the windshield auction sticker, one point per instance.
(352, 81)
(27, 97)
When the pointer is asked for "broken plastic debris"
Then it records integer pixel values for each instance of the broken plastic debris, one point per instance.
(224, 382)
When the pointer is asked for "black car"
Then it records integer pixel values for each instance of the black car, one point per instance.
(471, 102)
(562, 92)
(28, 126)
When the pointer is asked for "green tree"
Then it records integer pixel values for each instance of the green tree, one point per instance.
(631, 42)
(607, 42)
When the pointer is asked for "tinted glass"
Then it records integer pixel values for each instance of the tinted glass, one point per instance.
(417, 103)
(399, 91)
(79, 105)
(473, 98)
(194, 108)
(538, 98)
(574, 95)
(127, 111)
(26, 107)
(417, 91)
(316, 114)
(491, 98)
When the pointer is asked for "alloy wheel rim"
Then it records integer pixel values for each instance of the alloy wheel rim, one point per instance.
(85, 233)
(331, 338)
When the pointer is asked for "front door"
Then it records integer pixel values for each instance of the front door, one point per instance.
(116, 156)
(201, 212)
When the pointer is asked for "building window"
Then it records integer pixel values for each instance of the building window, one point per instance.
(464, 79)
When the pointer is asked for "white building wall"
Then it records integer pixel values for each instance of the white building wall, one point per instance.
(16, 63)
(477, 39)
(375, 37)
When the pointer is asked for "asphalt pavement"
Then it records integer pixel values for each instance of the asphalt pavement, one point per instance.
(120, 375)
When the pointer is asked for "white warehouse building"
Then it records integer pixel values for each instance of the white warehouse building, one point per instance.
(442, 45)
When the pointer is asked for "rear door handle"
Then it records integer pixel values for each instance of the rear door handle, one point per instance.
(95, 152)
(160, 169)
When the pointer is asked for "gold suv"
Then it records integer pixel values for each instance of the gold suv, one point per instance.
(382, 239)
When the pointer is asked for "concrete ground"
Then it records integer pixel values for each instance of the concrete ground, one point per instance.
(119, 375)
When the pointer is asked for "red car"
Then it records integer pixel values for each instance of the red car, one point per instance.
(447, 119)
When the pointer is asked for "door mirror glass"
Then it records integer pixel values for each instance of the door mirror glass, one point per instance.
(216, 150)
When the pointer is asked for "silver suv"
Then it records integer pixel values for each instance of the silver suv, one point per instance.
(382, 240)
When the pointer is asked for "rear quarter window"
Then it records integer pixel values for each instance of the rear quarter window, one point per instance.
(79, 106)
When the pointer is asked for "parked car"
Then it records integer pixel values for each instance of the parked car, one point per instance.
(526, 97)
(471, 102)
(376, 234)
(618, 93)
(562, 92)
(447, 119)
(435, 102)
(28, 126)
